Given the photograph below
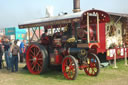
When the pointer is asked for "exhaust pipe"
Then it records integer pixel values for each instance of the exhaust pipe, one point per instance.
(76, 6)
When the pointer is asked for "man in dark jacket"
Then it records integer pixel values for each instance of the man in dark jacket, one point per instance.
(1, 54)
(6, 50)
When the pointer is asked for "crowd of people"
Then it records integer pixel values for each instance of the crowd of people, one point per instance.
(10, 50)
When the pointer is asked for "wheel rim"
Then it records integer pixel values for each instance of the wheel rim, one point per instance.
(34, 59)
(69, 68)
(93, 67)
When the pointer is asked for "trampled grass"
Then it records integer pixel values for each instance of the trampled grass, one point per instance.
(107, 76)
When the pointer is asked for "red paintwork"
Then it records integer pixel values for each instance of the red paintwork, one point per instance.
(92, 19)
(59, 59)
(82, 67)
(102, 47)
(94, 45)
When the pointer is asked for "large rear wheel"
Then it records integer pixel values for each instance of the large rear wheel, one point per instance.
(70, 67)
(93, 65)
(36, 58)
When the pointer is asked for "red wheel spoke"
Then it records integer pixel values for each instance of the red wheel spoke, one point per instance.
(30, 59)
(66, 65)
(66, 70)
(69, 73)
(73, 71)
(89, 69)
(31, 55)
(93, 71)
(72, 67)
(37, 53)
(32, 63)
(69, 59)
(39, 56)
(71, 63)
(34, 51)
(39, 59)
(92, 65)
(33, 66)
(40, 62)
(39, 65)
(31, 52)
(66, 62)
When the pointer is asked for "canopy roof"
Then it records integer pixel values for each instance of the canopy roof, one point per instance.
(66, 19)
(118, 14)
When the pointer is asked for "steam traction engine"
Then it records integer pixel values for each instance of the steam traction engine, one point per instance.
(72, 42)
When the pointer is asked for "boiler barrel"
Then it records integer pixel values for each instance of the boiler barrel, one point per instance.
(76, 51)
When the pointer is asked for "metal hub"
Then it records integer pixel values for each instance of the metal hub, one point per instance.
(34, 59)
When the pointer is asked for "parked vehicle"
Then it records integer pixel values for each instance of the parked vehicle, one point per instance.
(73, 42)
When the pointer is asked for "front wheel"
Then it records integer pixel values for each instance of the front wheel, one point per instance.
(70, 67)
(36, 58)
(93, 65)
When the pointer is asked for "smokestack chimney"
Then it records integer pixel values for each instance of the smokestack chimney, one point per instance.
(76, 6)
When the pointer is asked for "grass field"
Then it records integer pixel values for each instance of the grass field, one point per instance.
(107, 76)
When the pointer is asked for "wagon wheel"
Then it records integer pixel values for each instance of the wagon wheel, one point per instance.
(36, 58)
(70, 67)
(93, 65)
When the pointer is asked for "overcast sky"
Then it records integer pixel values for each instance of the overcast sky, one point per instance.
(13, 12)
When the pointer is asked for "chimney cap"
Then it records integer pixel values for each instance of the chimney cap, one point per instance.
(93, 8)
